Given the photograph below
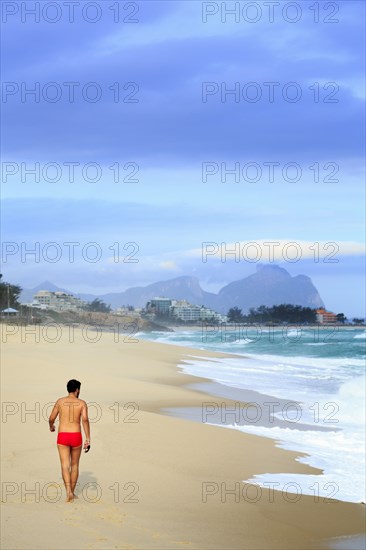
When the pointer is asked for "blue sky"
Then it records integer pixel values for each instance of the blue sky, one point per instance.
(164, 137)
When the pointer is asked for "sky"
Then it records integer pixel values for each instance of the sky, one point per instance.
(142, 141)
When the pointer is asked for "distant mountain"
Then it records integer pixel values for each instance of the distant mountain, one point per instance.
(180, 288)
(270, 285)
(27, 294)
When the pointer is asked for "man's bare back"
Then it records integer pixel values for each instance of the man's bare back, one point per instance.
(71, 410)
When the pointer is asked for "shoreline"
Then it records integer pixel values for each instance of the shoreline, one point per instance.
(296, 421)
(169, 459)
(168, 327)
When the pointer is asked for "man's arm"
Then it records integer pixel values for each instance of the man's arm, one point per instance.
(53, 416)
(86, 425)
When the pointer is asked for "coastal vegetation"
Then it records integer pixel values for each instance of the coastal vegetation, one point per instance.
(278, 314)
(9, 294)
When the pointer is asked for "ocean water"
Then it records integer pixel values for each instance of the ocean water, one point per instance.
(319, 373)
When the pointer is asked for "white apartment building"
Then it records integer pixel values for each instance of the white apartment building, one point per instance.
(184, 311)
(57, 301)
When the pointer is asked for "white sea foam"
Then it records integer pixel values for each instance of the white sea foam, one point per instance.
(339, 455)
(327, 381)
(327, 399)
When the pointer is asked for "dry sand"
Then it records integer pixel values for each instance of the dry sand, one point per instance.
(142, 485)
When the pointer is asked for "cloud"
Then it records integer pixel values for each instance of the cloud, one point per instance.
(168, 265)
(169, 56)
(171, 131)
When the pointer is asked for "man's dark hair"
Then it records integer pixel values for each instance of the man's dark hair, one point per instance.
(73, 385)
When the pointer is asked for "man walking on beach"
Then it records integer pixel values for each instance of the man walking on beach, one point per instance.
(69, 441)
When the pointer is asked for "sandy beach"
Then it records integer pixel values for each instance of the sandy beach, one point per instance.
(150, 480)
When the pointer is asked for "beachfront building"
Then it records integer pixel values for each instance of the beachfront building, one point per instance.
(159, 306)
(9, 312)
(186, 312)
(325, 317)
(208, 314)
(57, 301)
(36, 305)
(183, 311)
(126, 311)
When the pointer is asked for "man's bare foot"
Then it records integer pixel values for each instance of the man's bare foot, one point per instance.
(70, 497)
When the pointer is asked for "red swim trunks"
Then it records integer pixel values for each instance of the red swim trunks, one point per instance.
(70, 439)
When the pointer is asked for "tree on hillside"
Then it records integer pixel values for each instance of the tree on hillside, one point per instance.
(9, 294)
(98, 305)
(234, 315)
(341, 318)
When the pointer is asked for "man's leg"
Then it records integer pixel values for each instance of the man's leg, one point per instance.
(64, 453)
(75, 457)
